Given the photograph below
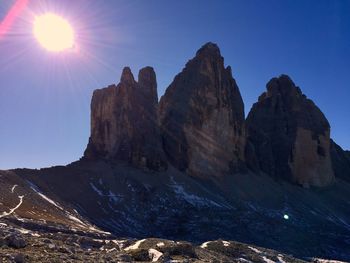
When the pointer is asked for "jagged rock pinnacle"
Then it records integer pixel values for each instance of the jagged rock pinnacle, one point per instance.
(202, 116)
(147, 82)
(124, 122)
(127, 76)
(289, 135)
(209, 49)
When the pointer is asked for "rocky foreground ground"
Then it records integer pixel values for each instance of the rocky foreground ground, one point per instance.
(57, 243)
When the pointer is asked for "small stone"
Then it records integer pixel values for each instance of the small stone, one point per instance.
(140, 255)
(90, 243)
(52, 246)
(19, 258)
(123, 258)
(64, 250)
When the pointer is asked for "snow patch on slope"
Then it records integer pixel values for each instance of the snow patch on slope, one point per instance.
(226, 243)
(154, 254)
(134, 246)
(99, 231)
(280, 259)
(76, 219)
(320, 260)
(205, 244)
(96, 189)
(243, 260)
(50, 201)
(191, 198)
(13, 188)
(255, 250)
(13, 209)
(36, 189)
(112, 196)
(160, 244)
(268, 260)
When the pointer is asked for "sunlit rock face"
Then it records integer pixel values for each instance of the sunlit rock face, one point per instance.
(202, 117)
(124, 123)
(288, 136)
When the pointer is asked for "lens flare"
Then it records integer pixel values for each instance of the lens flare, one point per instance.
(12, 14)
(53, 32)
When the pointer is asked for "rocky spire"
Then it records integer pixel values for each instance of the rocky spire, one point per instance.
(148, 84)
(124, 122)
(127, 77)
(202, 117)
(288, 136)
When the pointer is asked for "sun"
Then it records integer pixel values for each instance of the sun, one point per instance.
(53, 32)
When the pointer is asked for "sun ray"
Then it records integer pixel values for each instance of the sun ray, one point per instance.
(15, 10)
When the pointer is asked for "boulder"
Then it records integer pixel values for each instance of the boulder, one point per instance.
(140, 255)
(288, 136)
(202, 117)
(15, 241)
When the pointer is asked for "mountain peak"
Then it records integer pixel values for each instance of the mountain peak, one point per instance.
(124, 122)
(201, 102)
(148, 84)
(290, 134)
(282, 84)
(127, 76)
(209, 49)
(147, 74)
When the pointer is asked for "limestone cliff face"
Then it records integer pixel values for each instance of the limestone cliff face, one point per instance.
(124, 122)
(200, 127)
(288, 136)
(202, 117)
(340, 161)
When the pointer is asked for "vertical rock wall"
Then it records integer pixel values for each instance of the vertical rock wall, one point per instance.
(202, 117)
(124, 122)
(288, 136)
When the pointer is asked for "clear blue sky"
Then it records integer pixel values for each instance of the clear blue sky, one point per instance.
(45, 97)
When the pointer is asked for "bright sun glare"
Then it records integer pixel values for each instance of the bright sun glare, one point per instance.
(53, 32)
